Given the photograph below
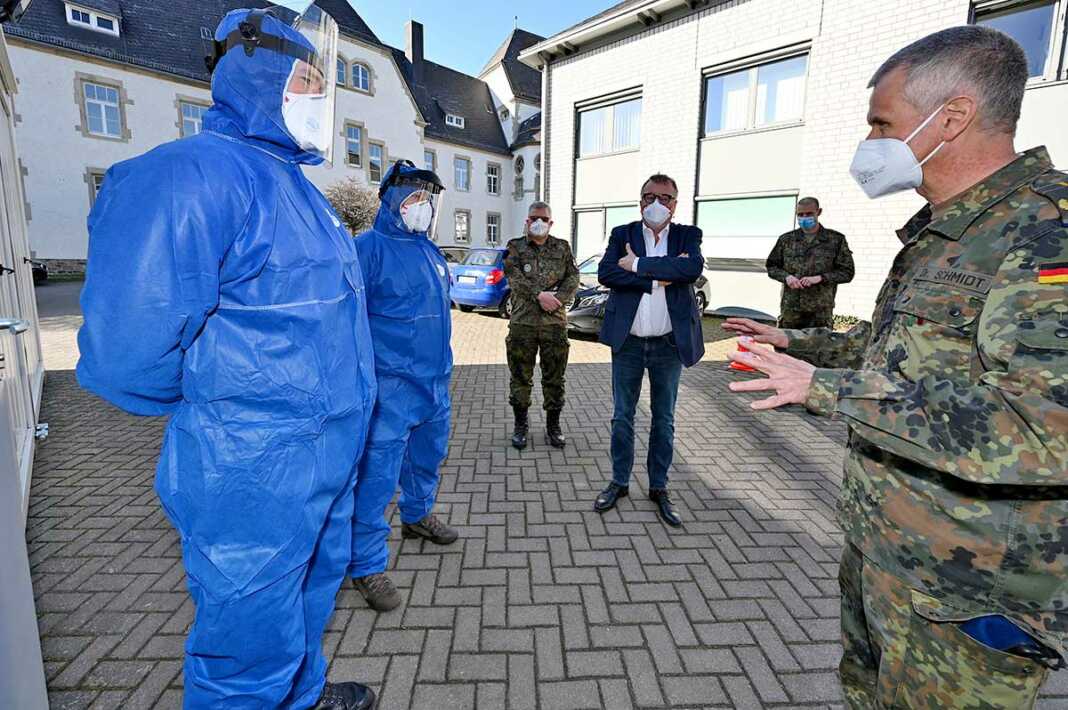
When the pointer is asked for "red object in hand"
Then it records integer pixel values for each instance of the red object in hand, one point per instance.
(494, 277)
(740, 366)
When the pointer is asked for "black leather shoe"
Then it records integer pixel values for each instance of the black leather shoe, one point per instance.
(554, 435)
(522, 424)
(665, 508)
(346, 696)
(607, 500)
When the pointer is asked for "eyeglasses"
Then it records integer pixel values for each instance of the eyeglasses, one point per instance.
(538, 219)
(664, 199)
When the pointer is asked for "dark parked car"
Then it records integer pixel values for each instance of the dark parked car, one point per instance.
(479, 282)
(40, 272)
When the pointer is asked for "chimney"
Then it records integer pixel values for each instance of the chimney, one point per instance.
(414, 47)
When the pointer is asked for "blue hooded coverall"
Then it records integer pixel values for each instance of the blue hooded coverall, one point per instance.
(408, 302)
(222, 290)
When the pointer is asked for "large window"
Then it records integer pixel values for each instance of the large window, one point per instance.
(593, 227)
(361, 77)
(493, 178)
(747, 217)
(376, 158)
(1034, 25)
(462, 227)
(354, 145)
(493, 228)
(610, 129)
(192, 118)
(461, 170)
(765, 95)
(102, 110)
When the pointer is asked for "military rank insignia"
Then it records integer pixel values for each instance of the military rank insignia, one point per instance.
(1054, 273)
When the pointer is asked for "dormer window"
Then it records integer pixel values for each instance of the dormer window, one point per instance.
(451, 119)
(92, 20)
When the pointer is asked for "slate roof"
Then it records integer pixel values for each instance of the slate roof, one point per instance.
(166, 40)
(626, 4)
(169, 41)
(525, 81)
(441, 90)
(529, 132)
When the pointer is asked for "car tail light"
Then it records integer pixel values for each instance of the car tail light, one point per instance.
(494, 277)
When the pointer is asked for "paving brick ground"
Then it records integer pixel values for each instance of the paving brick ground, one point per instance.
(543, 604)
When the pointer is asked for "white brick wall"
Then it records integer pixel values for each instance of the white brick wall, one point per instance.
(849, 39)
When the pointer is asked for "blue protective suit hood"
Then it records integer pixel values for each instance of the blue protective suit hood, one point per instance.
(248, 91)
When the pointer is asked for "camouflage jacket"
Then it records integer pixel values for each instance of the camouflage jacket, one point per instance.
(824, 254)
(532, 269)
(956, 395)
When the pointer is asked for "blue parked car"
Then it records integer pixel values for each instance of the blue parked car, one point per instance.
(479, 282)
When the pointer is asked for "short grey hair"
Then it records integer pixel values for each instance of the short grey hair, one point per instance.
(809, 201)
(979, 60)
(539, 205)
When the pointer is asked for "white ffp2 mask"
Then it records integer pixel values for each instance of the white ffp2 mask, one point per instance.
(883, 166)
(656, 213)
(306, 121)
(539, 228)
(417, 217)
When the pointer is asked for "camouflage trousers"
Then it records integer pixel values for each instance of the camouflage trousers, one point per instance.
(793, 319)
(897, 657)
(525, 343)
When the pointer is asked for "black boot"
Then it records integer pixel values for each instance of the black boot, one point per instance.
(346, 696)
(522, 424)
(554, 436)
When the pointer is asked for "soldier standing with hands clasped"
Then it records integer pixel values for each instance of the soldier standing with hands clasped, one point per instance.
(543, 279)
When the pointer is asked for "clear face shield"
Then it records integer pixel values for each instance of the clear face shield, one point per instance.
(419, 208)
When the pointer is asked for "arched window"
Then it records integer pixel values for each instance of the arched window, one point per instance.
(361, 77)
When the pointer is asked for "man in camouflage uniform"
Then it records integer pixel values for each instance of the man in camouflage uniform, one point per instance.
(543, 280)
(955, 495)
(810, 262)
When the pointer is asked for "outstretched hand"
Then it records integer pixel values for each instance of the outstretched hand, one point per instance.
(787, 376)
(760, 332)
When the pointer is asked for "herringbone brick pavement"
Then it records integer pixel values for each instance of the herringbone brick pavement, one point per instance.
(542, 604)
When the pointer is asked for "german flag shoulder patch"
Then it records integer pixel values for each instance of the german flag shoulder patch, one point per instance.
(1053, 273)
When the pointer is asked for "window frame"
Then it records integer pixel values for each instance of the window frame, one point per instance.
(453, 120)
(493, 242)
(343, 65)
(382, 166)
(456, 159)
(519, 187)
(352, 77)
(364, 152)
(433, 159)
(1056, 56)
(611, 101)
(181, 100)
(752, 66)
(455, 232)
(80, 82)
(491, 178)
(773, 194)
(91, 175)
(94, 19)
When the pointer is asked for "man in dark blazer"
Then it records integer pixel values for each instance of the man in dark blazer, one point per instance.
(652, 323)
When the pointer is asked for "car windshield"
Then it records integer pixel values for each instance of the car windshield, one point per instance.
(589, 267)
(482, 257)
(453, 256)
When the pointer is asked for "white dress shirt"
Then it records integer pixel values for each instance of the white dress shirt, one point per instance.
(652, 318)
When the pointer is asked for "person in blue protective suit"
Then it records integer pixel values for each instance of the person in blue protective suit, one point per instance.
(223, 291)
(407, 281)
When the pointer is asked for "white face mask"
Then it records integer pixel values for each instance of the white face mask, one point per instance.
(305, 119)
(539, 228)
(883, 166)
(656, 214)
(417, 217)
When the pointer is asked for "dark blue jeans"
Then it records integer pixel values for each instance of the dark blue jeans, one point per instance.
(660, 357)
